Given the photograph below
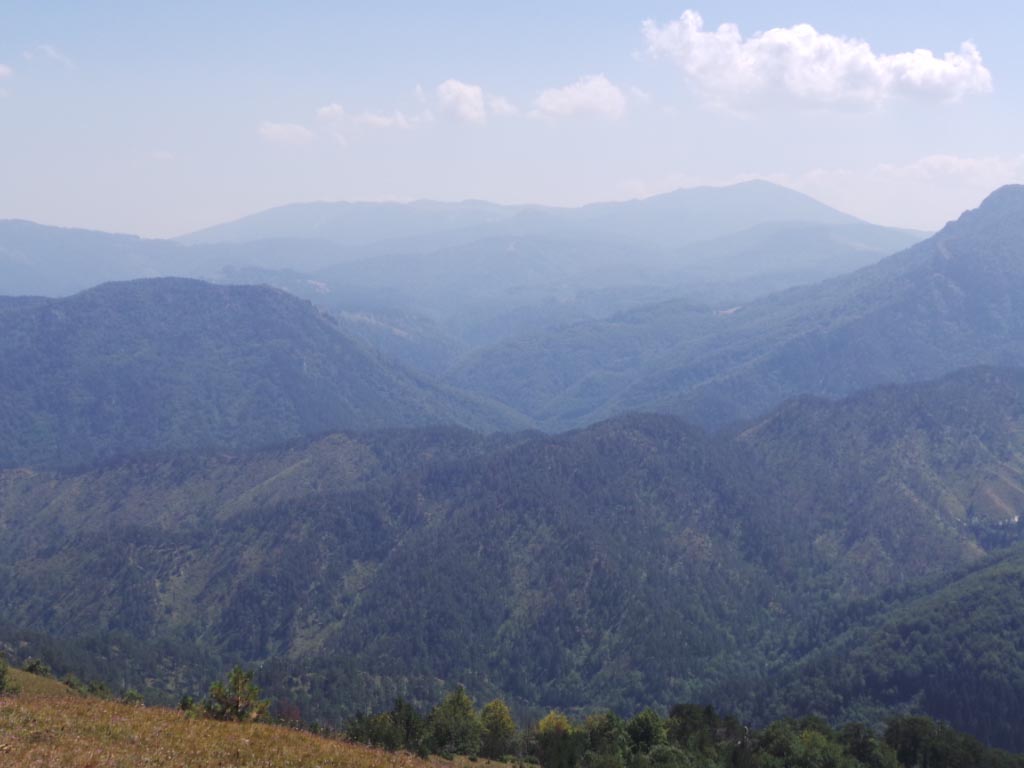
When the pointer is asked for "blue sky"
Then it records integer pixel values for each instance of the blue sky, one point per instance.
(161, 118)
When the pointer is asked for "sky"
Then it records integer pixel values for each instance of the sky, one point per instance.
(160, 118)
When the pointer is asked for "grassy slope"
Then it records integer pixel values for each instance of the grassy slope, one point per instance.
(36, 686)
(46, 725)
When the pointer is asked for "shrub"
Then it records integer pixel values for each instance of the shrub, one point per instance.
(237, 699)
(37, 667)
(133, 697)
(71, 681)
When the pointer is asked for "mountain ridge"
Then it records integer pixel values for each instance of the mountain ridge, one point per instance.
(172, 363)
(914, 315)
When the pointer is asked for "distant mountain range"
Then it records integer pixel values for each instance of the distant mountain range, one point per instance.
(668, 221)
(635, 562)
(951, 301)
(171, 364)
(477, 272)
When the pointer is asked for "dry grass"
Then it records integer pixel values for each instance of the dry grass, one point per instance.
(35, 686)
(46, 727)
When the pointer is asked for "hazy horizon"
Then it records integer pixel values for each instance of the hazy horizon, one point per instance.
(161, 121)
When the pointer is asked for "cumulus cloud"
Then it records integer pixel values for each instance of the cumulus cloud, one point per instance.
(471, 103)
(809, 66)
(464, 99)
(336, 120)
(593, 93)
(285, 133)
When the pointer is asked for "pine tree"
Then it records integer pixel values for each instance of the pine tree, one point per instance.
(238, 700)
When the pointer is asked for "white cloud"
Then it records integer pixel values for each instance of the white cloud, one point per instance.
(501, 107)
(5, 71)
(471, 103)
(809, 66)
(593, 93)
(464, 99)
(333, 117)
(377, 120)
(339, 123)
(163, 156)
(285, 133)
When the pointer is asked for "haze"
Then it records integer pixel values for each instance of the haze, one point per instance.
(160, 119)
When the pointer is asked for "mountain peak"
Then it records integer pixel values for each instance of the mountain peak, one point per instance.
(1007, 198)
(1002, 209)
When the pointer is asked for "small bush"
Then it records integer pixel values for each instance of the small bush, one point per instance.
(98, 688)
(71, 681)
(133, 697)
(37, 667)
(237, 699)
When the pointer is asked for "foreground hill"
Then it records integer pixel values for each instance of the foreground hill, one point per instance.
(637, 561)
(951, 301)
(43, 729)
(171, 365)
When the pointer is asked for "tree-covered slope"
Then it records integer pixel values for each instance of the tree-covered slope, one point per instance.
(170, 365)
(952, 649)
(637, 561)
(951, 301)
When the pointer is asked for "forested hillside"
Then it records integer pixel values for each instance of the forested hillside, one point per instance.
(639, 561)
(169, 365)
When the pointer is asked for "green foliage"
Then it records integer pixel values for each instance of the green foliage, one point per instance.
(379, 730)
(454, 725)
(236, 699)
(401, 728)
(920, 742)
(949, 648)
(3, 674)
(133, 697)
(499, 729)
(72, 681)
(646, 731)
(559, 743)
(37, 667)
